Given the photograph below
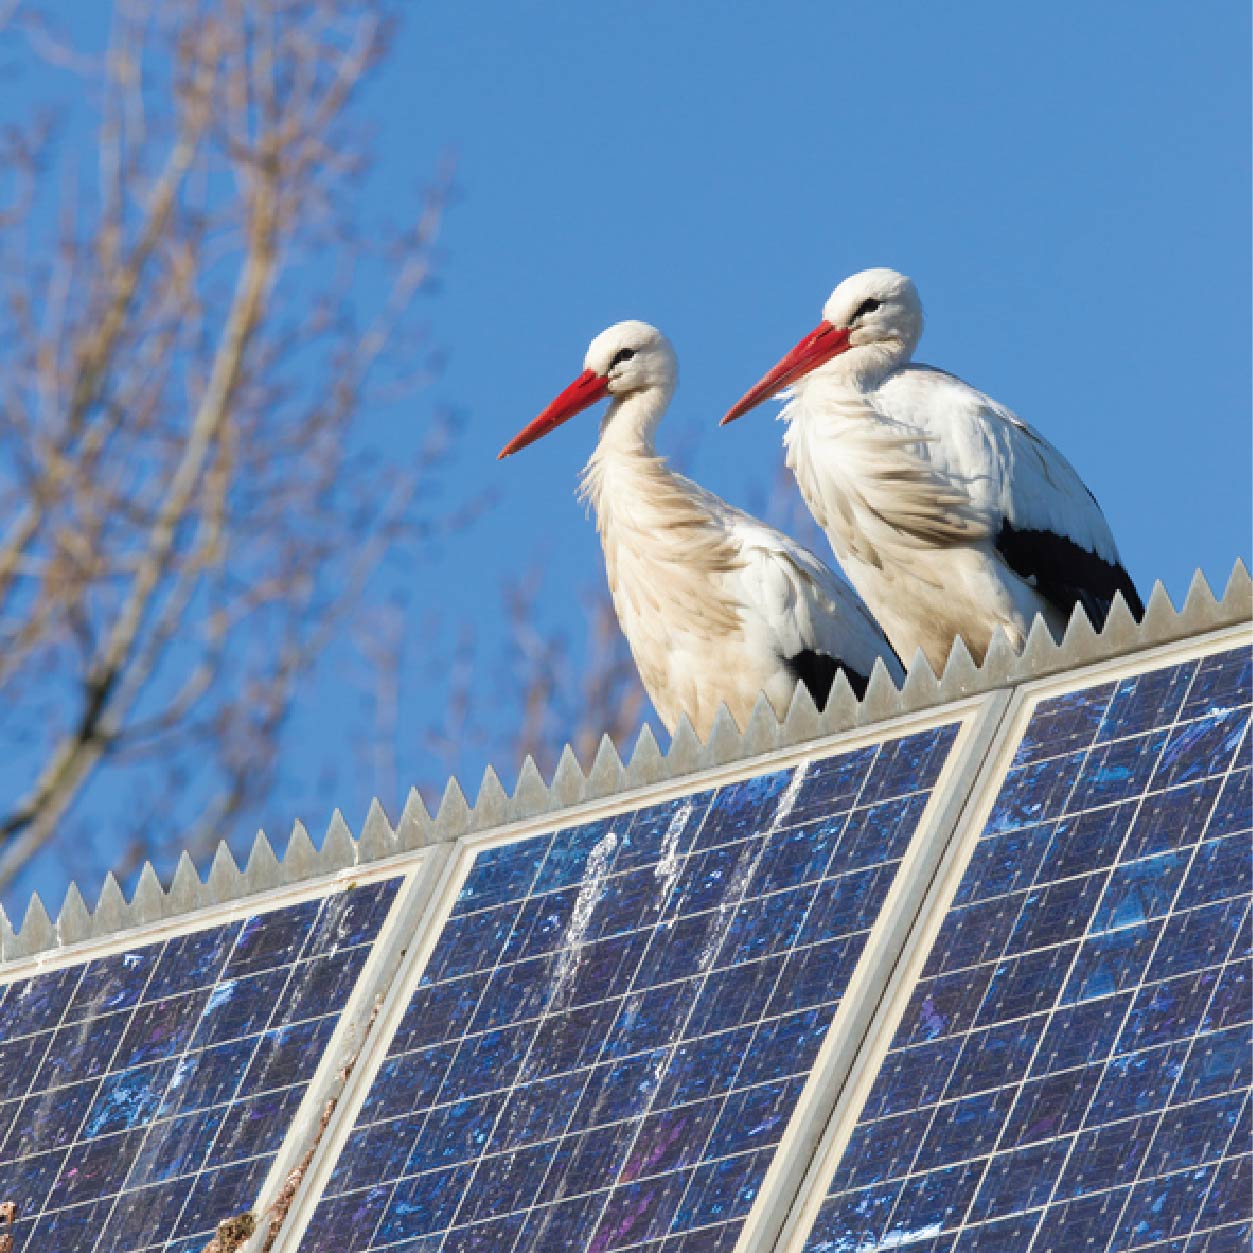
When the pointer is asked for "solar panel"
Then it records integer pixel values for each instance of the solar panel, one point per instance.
(147, 1092)
(831, 991)
(615, 1024)
(1072, 1069)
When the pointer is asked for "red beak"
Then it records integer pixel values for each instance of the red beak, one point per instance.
(821, 344)
(586, 390)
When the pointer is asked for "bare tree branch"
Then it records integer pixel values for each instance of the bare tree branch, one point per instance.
(190, 512)
(566, 697)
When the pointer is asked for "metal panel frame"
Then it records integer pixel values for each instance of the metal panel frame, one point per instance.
(608, 777)
(355, 1019)
(913, 943)
(840, 1062)
(978, 716)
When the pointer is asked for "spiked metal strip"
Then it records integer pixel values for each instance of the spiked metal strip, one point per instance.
(1201, 614)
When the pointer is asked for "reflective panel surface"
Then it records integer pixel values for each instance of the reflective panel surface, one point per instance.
(145, 1093)
(1073, 1068)
(614, 1027)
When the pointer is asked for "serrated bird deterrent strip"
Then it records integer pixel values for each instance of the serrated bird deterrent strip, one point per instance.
(1200, 613)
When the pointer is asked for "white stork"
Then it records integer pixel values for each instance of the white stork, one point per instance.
(717, 607)
(950, 515)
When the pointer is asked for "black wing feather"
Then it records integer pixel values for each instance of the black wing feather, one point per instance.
(817, 672)
(1066, 574)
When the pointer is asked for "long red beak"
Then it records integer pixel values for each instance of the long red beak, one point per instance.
(821, 344)
(586, 390)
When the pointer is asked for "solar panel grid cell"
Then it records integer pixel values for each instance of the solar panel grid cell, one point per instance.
(147, 1092)
(1071, 1069)
(615, 1025)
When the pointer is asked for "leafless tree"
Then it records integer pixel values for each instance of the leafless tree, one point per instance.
(188, 508)
(531, 690)
(568, 696)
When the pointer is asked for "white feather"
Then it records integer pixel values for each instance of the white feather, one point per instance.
(712, 602)
(912, 474)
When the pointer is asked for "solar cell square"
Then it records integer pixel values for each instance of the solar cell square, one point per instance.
(1082, 1020)
(1063, 724)
(146, 1092)
(615, 1025)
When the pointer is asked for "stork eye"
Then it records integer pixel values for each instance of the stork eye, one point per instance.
(866, 306)
(623, 354)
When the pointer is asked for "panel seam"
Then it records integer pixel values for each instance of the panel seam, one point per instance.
(294, 1175)
(791, 1179)
(875, 1042)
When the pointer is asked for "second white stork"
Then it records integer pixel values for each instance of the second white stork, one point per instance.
(950, 515)
(717, 607)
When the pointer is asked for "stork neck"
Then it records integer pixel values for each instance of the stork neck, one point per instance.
(630, 423)
(625, 474)
(666, 546)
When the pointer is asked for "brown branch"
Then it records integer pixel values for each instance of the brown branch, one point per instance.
(72, 760)
(191, 521)
(94, 353)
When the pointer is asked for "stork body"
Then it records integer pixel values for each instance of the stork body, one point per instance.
(950, 515)
(717, 607)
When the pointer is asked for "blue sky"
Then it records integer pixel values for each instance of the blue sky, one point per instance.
(1069, 185)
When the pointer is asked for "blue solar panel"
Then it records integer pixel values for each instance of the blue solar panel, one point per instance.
(1073, 1068)
(612, 1031)
(145, 1094)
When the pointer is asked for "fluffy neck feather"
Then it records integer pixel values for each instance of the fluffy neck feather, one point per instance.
(863, 474)
(665, 550)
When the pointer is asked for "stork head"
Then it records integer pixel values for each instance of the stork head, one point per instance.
(629, 359)
(873, 320)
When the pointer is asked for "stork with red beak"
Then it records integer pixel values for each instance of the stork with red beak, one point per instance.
(949, 514)
(716, 607)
